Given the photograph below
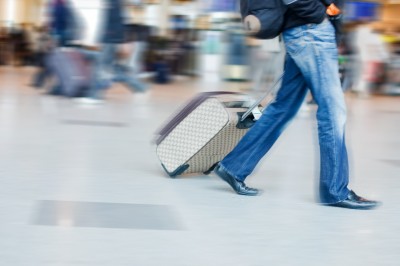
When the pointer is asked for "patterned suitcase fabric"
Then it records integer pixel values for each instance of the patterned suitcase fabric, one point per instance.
(203, 136)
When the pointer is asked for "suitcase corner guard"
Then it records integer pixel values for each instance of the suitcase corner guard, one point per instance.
(178, 170)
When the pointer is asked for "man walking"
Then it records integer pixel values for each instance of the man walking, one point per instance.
(311, 63)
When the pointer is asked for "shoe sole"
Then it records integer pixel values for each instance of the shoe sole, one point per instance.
(350, 208)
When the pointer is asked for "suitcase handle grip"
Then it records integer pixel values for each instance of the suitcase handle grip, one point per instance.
(257, 103)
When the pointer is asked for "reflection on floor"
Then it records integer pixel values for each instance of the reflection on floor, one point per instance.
(81, 185)
(105, 215)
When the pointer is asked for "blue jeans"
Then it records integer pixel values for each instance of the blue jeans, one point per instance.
(106, 72)
(136, 60)
(311, 63)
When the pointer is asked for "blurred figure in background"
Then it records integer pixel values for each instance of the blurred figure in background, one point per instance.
(372, 57)
(137, 37)
(3, 46)
(43, 44)
(107, 68)
(346, 61)
(62, 29)
(237, 53)
(33, 36)
(63, 22)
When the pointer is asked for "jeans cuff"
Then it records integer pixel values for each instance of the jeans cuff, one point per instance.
(330, 203)
(223, 168)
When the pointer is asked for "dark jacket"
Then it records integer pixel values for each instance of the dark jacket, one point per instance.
(301, 12)
(64, 21)
(114, 29)
(59, 14)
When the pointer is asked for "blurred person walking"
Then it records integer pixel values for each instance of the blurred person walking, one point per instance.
(107, 69)
(43, 45)
(311, 63)
(372, 56)
(268, 61)
(64, 26)
(33, 37)
(61, 29)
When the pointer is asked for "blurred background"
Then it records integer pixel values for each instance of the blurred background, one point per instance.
(86, 84)
(166, 39)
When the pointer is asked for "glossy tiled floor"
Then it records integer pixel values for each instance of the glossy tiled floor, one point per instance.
(81, 185)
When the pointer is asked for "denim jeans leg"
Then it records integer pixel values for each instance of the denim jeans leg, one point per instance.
(313, 48)
(126, 75)
(104, 61)
(135, 61)
(242, 160)
(40, 77)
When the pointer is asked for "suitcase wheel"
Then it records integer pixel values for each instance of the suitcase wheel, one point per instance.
(211, 169)
(178, 171)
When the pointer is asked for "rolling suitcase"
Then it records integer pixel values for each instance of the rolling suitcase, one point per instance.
(71, 69)
(205, 131)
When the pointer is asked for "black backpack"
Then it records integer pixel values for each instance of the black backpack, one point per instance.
(263, 19)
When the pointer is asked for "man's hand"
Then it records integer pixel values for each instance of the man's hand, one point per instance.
(332, 10)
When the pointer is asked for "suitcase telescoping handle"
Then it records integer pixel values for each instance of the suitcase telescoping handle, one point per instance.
(269, 91)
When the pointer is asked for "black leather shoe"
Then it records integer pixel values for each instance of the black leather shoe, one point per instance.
(238, 186)
(354, 201)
